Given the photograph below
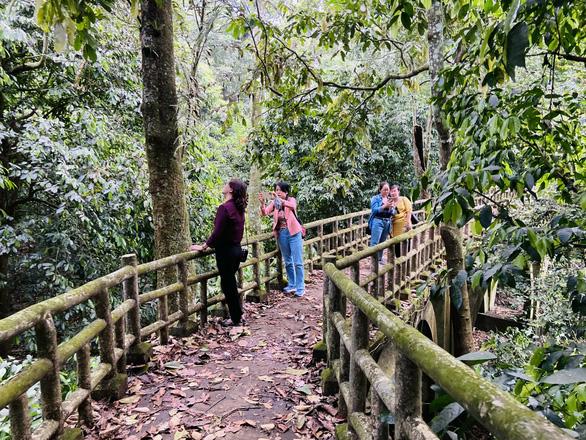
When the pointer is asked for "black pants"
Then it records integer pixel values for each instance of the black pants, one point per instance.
(398, 248)
(228, 260)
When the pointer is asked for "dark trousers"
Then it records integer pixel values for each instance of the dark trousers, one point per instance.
(398, 247)
(228, 260)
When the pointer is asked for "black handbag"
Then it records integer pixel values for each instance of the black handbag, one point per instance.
(244, 250)
(414, 219)
(243, 254)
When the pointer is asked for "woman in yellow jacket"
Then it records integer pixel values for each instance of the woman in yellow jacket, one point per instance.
(401, 221)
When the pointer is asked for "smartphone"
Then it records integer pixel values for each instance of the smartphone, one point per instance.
(266, 195)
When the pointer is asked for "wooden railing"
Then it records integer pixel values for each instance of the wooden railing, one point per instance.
(409, 351)
(118, 332)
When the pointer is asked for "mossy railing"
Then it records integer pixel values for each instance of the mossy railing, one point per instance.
(118, 332)
(407, 354)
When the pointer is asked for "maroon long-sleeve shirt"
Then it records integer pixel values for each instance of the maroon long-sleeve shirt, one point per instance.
(228, 226)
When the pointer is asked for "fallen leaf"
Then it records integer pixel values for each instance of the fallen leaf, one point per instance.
(180, 434)
(265, 379)
(305, 389)
(174, 365)
(301, 419)
(313, 398)
(296, 372)
(244, 370)
(268, 427)
(131, 399)
(250, 423)
(141, 409)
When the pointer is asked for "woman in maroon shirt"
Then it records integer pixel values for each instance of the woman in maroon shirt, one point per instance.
(225, 239)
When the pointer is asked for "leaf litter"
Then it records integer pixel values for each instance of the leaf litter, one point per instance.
(251, 383)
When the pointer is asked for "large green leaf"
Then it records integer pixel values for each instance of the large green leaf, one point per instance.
(485, 216)
(477, 357)
(566, 377)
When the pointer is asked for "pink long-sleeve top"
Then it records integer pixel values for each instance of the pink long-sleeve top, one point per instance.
(290, 205)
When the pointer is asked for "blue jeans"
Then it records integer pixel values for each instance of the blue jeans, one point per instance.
(380, 231)
(292, 251)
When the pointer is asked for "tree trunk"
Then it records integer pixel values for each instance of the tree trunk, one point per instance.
(254, 187)
(451, 235)
(159, 108)
(420, 154)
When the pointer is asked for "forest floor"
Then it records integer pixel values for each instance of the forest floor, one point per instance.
(247, 383)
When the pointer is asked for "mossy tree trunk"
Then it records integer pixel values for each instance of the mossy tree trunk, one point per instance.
(451, 235)
(255, 185)
(164, 154)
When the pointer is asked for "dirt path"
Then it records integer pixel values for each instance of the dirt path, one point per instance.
(246, 383)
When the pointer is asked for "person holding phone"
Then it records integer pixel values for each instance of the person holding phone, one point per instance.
(379, 222)
(225, 239)
(288, 233)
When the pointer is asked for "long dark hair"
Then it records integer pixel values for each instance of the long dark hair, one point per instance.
(381, 185)
(238, 193)
(284, 187)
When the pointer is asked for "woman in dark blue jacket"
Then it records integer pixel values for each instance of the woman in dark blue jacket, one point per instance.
(380, 217)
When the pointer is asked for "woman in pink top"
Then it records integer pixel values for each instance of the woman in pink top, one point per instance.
(288, 233)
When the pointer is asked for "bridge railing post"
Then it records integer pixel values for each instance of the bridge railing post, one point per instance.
(358, 382)
(256, 266)
(408, 396)
(320, 243)
(203, 299)
(335, 241)
(46, 335)
(130, 289)
(84, 381)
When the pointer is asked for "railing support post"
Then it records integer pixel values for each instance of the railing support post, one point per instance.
(115, 383)
(408, 400)
(186, 325)
(130, 288)
(84, 381)
(20, 419)
(358, 382)
(46, 336)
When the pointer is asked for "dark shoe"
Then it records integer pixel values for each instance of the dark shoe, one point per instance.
(230, 323)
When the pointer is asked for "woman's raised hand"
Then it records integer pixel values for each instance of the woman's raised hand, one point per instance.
(261, 198)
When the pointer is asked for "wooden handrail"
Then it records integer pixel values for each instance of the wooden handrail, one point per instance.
(119, 331)
(354, 367)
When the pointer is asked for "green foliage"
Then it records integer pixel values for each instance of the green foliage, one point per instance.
(333, 69)
(76, 198)
(8, 368)
(548, 379)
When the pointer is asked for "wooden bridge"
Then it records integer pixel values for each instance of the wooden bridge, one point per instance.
(359, 295)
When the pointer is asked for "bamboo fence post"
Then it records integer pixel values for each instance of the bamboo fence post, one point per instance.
(333, 337)
(267, 265)
(358, 382)
(20, 418)
(280, 269)
(320, 243)
(46, 336)
(380, 428)
(310, 258)
(107, 335)
(120, 342)
(360, 229)
(408, 395)
(256, 266)
(183, 294)
(375, 283)
(84, 380)
(203, 298)
(334, 239)
(163, 315)
(130, 288)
